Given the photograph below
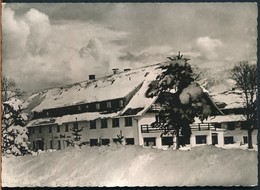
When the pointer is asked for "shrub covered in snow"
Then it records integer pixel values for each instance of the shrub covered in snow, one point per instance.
(14, 134)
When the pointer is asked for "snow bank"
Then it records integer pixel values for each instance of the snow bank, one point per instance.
(132, 166)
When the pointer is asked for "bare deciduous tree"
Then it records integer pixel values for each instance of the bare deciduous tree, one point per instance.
(245, 76)
(10, 89)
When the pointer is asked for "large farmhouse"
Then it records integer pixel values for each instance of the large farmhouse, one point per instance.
(105, 108)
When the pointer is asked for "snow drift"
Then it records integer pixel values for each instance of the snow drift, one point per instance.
(132, 166)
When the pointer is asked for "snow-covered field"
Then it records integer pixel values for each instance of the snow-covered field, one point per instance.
(132, 166)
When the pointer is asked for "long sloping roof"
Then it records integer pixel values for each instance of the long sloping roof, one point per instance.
(114, 86)
(106, 88)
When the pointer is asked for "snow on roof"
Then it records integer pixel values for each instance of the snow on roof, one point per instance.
(233, 99)
(71, 118)
(106, 88)
(223, 118)
(139, 100)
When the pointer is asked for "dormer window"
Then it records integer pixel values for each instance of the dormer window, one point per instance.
(109, 104)
(58, 128)
(40, 129)
(121, 103)
(97, 106)
(66, 127)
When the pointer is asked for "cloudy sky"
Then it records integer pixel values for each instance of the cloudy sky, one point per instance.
(47, 45)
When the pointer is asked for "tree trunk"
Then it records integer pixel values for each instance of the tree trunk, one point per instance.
(250, 143)
(177, 139)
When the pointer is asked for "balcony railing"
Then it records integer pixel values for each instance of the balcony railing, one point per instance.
(203, 127)
(150, 129)
(196, 127)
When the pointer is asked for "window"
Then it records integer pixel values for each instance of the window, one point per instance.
(109, 104)
(66, 127)
(33, 130)
(217, 125)
(58, 128)
(79, 108)
(214, 138)
(115, 122)
(245, 139)
(116, 140)
(97, 106)
(103, 123)
(93, 142)
(40, 129)
(129, 141)
(229, 140)
(201, 139)
(231, 126)
(75, 125)
(47, 114)
(149, 141)
(128, 121)
(50, 129)
(59, 145)
(86, 107)
(167, 141)
(34, 145)
(105, 141)
(51, 144)
(157, 118)
(121, 103)
(93, 124)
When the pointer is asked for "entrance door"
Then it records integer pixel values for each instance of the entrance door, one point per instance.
(40, 145)
(214, 138)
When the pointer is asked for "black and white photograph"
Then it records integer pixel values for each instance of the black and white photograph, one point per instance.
(129, 94)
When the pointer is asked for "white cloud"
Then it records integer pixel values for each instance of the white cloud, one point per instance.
(39, 54)
(15, 33)
(208, 47)
(39, 25)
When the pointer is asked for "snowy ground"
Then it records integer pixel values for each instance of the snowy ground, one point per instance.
(132, 166)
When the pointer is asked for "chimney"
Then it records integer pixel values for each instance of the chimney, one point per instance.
(128, 69)
(91, 77)
(115, 70)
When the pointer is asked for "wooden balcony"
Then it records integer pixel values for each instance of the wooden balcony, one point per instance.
(150, 129)
(197, 127)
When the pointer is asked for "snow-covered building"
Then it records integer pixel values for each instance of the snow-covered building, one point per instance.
(231, 125)
(106, 108)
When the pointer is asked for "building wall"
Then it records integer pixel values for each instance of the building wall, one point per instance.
(239, 138)
(87, 133)
(208, 134)
(133, 131)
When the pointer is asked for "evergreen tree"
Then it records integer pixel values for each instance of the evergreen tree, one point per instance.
(183, 99)
(76, 132)
(14, 132)
(120, 137)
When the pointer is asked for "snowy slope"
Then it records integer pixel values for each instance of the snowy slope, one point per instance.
(132, 166)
